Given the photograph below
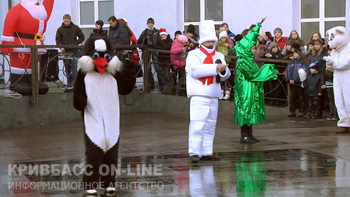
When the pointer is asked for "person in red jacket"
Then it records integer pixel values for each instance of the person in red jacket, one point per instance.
(25, 24)
(278, 39)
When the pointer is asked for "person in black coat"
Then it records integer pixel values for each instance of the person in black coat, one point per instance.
(99, 31)
(313, 87)
(118, 33)
(296, 92)
(150, 37)
(164, 43)
(69, 34)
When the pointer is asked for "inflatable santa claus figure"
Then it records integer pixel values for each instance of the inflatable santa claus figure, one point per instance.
(25, 24)
(338, 39)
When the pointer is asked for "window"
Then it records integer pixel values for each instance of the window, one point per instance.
(93, 10)
(321, 15)
(197, 10)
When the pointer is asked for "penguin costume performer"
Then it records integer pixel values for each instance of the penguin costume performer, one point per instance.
(101, 78)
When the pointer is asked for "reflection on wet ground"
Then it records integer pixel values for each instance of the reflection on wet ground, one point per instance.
(297, 157)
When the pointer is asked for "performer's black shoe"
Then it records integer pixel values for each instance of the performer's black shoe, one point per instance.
(194, 158)
(251, 136)
(247, 140)
(292, 115)
(209, 158)
(245, 135)
(254, 139)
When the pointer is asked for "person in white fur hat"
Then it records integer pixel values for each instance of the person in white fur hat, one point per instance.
(225, 48)
(205, 68)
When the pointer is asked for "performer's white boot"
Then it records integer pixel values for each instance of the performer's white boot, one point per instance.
(222, 94)
(227, 95)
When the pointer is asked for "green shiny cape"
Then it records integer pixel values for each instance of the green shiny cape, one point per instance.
(249, 78)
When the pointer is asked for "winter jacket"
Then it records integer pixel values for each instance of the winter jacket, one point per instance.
(149, 37)
(101, 32)
(119, 35)
(281, 42)
(313, 84)
(292, 70)
(164, 45)
(224, 50)
(302, 44)
(316, 57)
(319, 59)
(69, 35)
(260, 53)
(176, 56)
(276, 55)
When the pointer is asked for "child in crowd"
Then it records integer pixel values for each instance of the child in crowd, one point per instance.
(268, 38)
(274, 52)
(274, 88)
(288, 52)
(225, 48)
(177, 33)
(179, 49)
(310, 47)
(330, 94)
(313, 89)
(295, 85)
(317, 54)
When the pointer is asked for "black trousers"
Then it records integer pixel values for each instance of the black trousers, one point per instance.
(315, 103)
(95, 158)
(296, 93)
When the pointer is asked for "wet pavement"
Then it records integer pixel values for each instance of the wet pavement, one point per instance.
(297, 157)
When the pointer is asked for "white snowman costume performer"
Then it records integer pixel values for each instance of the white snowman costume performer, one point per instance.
(339, 41)
(204, 91)
(100, 80)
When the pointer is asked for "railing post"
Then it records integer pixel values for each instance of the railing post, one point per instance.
(35, 76)
(146, 68)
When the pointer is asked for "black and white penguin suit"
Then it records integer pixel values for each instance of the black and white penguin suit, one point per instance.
(101, 78)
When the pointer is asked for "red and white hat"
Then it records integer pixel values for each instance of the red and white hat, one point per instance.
(163, 31)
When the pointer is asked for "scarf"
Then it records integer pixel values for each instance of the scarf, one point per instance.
(207, 60)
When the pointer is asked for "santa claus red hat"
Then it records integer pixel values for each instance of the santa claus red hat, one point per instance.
(163, 31)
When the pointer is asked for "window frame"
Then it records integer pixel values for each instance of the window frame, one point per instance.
(96, 13)
(322, 17)
(201, 14)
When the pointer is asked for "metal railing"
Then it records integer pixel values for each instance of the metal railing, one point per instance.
(147, 62)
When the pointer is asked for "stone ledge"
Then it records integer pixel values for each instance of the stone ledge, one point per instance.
(55, 108)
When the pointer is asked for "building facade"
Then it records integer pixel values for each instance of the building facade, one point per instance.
(305, 16)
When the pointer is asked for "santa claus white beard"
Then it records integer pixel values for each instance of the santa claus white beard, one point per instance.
(37, 11)
(32, 2)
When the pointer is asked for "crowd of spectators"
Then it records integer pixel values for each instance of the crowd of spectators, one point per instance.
(308, 96)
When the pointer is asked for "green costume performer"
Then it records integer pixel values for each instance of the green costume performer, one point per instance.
(249, 90)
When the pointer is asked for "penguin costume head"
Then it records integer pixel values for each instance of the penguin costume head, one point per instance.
(98, 56)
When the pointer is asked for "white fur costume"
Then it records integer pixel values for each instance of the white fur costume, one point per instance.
(204, 97)
(339, 40)
(100, 80)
